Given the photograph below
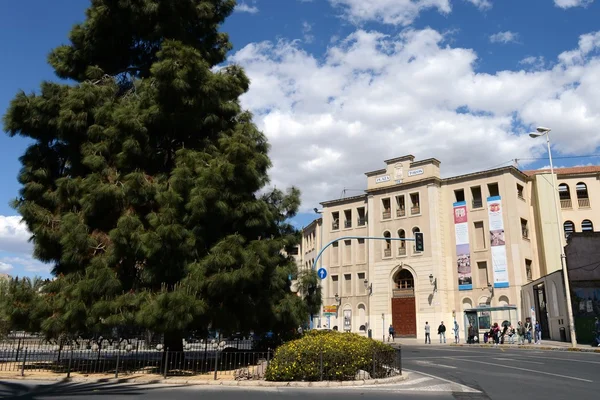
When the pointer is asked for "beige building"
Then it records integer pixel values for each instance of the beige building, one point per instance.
(486, 234)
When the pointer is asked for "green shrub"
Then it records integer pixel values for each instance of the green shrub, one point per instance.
(341, 356)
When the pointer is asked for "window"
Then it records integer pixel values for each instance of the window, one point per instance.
(335, 218)
(569, 228)
(524, 228)
(400, 206)
(477, 199)
(347, 218)
(347, 284)
(293, 251)
(582, 195)
(387, 250)
(479, 235)
(335, 253)
(459, 195)
(493, 189)
(387, 209)
(360, 283)
(482, 274)
(347, 252)
(415, 230)
(335, 284)
(404, 280)
(361, 253)
(401, 243)
(528, 270)
(520, 192)
(587, 226)
(565, 195)
(415, 208)
(362, 220)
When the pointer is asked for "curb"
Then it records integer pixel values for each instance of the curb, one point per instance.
(531, 347)
(249, 383)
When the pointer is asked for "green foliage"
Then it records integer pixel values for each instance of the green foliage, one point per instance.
(343, 355)
(145, 183)
(22, 305)
(309, 288)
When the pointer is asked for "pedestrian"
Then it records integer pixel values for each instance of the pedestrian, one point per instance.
(511, 334)
(504, 333)
(456, 334)
(496, 334)
(391, 333)
(442, 332)
(427, 333)
(520, 333)
(597, 327)
(471, 332)
(528, 329)
(538, 333)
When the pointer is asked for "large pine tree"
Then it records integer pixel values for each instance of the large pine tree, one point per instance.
(145, 185)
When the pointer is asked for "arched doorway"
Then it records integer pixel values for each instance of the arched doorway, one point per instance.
(404, 314)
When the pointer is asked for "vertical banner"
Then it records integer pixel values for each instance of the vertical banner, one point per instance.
(463, 251)
(497, 242)
(347, 320)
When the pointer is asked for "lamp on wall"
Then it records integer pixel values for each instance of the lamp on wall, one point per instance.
(433, 281)
(491, 289)
(431, 278)
(368, 286)
(338, 300)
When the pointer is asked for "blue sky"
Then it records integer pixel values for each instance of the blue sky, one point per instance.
(341, 85)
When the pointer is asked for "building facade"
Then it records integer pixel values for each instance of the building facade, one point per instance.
(486, 235)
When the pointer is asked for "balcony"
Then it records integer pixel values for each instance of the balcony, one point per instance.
(401, 212)
(477, 203)
(566, 203)
(401, 251)
(335, 225)
(361, 222)
(584, 203)
(386, 214)
(415, 210)
(347, 224)
(387, 252)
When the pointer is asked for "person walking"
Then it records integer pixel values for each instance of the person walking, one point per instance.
(427, 333)
(442, 332)
(471, 332)
(456, 332)
(597, 328)
(391, 333)
(528, 329)
(538, 333)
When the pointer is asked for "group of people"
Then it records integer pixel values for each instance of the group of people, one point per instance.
(506, 333)
(442, 332)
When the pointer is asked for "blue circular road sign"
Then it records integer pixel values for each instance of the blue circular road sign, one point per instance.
(322, 272)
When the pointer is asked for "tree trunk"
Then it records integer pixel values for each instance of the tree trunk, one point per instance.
(173, 349)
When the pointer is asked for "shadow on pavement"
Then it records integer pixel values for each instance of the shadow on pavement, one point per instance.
(65, 388)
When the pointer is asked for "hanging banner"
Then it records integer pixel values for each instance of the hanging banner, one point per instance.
(497, 242)
(348, 320)
(463, 251)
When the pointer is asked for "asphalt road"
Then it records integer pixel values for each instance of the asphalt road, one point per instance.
(434, 373)
(499, 372)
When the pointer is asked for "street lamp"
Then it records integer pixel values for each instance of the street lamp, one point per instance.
(338, 300)
(320, 244)
(541, 131)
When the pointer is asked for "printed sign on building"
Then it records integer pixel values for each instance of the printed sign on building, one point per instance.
(463, 250)
(347, 320)
(497, 242)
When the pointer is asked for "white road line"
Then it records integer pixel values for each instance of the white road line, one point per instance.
(441, 357)
(519, 360)
(412, 382)
(532, 370)
(567, 359)
(427, 363)
(463, 387)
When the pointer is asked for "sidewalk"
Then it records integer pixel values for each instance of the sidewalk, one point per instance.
(546, 345)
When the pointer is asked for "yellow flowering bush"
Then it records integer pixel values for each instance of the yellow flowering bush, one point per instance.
(330, 355)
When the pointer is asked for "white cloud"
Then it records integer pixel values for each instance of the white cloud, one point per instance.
(572, 3)
(243, 7)
(504, 37)
(481, 4)
(394, 12)
(533, 62)
(14, 235)
(372, 97)
(306, 30)
(4, 267)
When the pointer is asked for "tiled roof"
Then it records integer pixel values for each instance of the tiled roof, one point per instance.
(566, 171)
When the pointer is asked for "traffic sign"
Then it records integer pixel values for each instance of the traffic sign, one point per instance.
(322, 272)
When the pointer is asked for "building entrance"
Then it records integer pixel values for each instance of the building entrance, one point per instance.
(404, 314)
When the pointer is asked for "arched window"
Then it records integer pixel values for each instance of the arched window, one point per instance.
(565, 195)
(569, 228)
(587, 226)
(402, 243)
(387, 250)
(404, 280)
(415, 230)
(582, 195)
(361, 317)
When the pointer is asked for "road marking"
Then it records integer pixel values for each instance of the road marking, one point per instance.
(435, 365)
(512, 359)
(441, 357)
(464, 388)
(567, 359)
(533, 370)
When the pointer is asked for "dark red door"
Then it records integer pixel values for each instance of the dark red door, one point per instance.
(404, 316)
